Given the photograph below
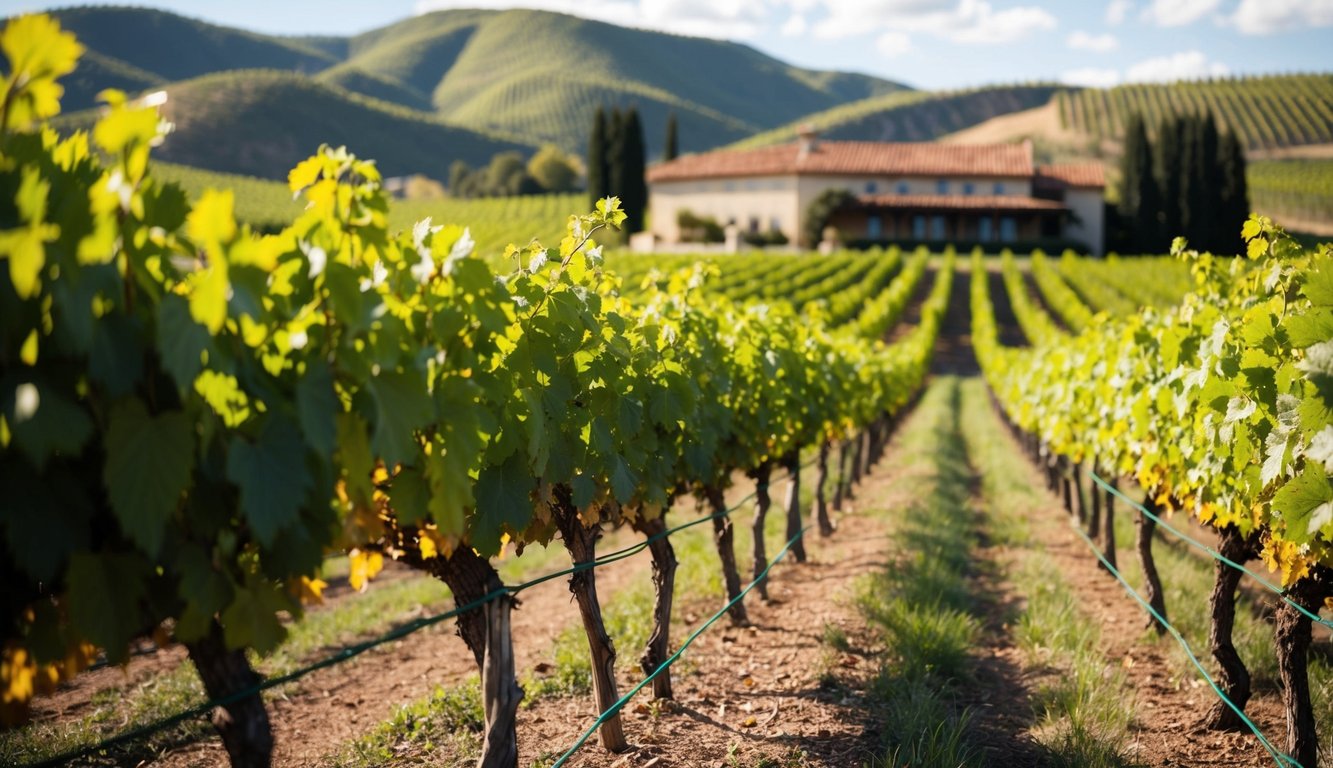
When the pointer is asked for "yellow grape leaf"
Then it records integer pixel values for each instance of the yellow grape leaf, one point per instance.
(362, 568)
(38, 52)
(213, 219)
(28, 353)
(208, 300)
(305, 173)
(126, 127)
(309, 591)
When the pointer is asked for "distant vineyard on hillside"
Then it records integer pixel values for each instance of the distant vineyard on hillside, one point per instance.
(1300, 190)
(911, 115)
(1266, 112)
(493, 222)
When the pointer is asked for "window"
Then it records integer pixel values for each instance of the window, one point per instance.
(936, 227)
(918, 227)
(968, 188)
(999, 187)
(902, 187)
(775, 224)
(874, 228)
(871, 187)
(1008, 229)
(754, 225)
(985, 230)
(730, 186)
(942, 187)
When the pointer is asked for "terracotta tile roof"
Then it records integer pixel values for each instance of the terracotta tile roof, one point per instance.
(960, 202)
(1071, 175)
(853, 158)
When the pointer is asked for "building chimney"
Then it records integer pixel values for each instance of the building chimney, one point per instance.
(809, 138)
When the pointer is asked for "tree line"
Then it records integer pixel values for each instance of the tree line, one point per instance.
(548, 171)
(1188, 180)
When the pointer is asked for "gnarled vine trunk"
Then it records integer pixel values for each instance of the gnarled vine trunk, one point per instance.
(243, 724)
(657, 650)
(1292, 640)
(792, 461)
(840, 490)
(857, 461)
(724, 538)
(1108, 518)
(581, 541)
(762, 474)
(1095, 506)
(1233, 678)
(1152, 582)
(820, 510)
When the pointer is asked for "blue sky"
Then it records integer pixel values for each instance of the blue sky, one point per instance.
(925, 43)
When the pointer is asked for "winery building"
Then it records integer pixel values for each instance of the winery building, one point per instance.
(901, 192)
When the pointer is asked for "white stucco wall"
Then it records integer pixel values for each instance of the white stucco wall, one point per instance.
(768, 200)
(784, 199)
(1087, 205)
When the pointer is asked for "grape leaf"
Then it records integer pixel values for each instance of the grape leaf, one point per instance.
(149, 460)
(105, 593)
(271, 475)
(402, 406)
(504, 499)
(180, 340)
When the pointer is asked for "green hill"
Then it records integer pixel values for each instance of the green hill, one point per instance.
(522, 73)
(911, 115)
(174, 47)
(262, 122)
(1266, 112)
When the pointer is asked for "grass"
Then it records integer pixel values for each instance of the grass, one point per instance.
(1083, 712)
(922, 603)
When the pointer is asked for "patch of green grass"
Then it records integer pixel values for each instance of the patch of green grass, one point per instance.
(922, 603)
(449, 718)
(1083, 713)
(835, 637)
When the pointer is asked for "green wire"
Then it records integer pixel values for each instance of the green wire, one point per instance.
(614, 709)
(1278, 756)
(1212, 552)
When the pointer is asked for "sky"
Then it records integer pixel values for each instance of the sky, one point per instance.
(934, 44)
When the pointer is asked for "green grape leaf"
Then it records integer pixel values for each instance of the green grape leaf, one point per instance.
(44, 517)
(409, 496)
(623, 483)
(402, 406)
(271, 475)
(504, 501)
(357, 460)
(181, 341)
(1310, 328)
(1297, 501)
(149, 460)
(251, 620)
(117, 354)
(1318, 286)
(105, 593)
(585, 490)
(203, 588)
(316, 407)
(42, 420)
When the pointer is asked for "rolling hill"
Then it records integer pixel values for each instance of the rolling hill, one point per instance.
(262, 122)
(532, 76)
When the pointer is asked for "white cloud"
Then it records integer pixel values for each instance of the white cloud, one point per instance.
(1117, 10)
(1264, 17)
(1082, 41)
(724, 19)
(1186, 65)
(892, 44)
(1091, 77)
(1177, 13)
(795, 26)
(959, 21)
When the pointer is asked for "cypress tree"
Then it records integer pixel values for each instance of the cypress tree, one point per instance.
(1207, 223)
(1234, 206)
(615, 153)
(633, 164)
(597, 170)
(1168, 180)
(671, 146)
(1140, 200)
